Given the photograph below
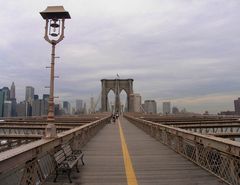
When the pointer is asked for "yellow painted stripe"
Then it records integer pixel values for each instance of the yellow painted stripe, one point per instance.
(131, 177)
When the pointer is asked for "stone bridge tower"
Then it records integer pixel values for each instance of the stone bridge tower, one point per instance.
(116, 85)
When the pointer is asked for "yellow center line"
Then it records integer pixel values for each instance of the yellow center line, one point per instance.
(131, 177)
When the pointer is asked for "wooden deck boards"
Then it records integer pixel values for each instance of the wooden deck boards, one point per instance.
(103, 161)
(154, 163)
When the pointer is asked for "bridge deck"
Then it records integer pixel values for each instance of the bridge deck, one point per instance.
(153, 163)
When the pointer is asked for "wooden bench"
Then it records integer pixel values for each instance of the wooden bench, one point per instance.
(75, 154)
(66, 159)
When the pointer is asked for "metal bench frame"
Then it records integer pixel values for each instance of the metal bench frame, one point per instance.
(66, 159)
(75, 154)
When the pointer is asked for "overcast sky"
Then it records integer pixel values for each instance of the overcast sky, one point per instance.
(183, 51)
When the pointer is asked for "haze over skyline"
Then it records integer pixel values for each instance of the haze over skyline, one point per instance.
(183, 51)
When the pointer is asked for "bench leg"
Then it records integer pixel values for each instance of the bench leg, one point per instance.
(55, 179)
(77, 167)
(82, 160)
(69, 175)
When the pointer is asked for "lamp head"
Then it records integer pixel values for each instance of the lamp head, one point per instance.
(55, 17)
(55, 12)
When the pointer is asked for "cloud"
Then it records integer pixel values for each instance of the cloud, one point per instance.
(178, 50)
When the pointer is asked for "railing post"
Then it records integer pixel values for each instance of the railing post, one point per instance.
(158, 134)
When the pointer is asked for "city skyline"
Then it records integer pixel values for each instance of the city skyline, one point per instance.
(30, 93)
(182, 51)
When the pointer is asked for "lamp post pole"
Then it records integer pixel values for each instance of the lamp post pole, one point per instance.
(50, 116)
(54, 33)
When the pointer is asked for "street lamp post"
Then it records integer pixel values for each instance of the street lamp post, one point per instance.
(54, 33)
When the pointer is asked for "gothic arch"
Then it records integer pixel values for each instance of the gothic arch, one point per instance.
(117, 85)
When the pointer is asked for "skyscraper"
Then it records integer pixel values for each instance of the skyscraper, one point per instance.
(36, 107)
(92, 108)
(6, 92)
(44, 106)
(12, 91)
(21, 109)
(150, 106)
(1, 102)
(57, 110)
(13, 100)
(237, 106)
(135, 103)
(29, 96)
(79, 106)
(14, 107)
(166, 108)
(66, 107)
(7, 110)
(85, 108)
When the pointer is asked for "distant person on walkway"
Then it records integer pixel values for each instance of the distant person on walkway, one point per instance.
(116, 115)
(113, 118)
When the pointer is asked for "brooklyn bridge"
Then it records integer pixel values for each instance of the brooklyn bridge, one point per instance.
(132, 149)
(117, 146)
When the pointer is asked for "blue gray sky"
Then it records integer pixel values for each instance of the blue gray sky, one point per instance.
(183, 51)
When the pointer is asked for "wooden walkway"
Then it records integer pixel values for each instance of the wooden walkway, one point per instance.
(153, 163)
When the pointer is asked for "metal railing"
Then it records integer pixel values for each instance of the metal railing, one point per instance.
(219, 156)
(32, 163)
(211, 128)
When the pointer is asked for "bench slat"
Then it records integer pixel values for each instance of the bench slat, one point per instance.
(59, 156)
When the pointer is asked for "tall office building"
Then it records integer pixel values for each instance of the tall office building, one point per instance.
(21, 109)
(12, 98)
(135, 102)
(166, 108)
(12, 91)
(150, 106)
(29, 95)
(237, 106)
(66, 107)
(36, 107)
(7, 110)
(44, 104)
(29, 108)
(79, 105)
(14, 107)
(1, 102)
(6, 92)
(85, 108)
(57, 110)
(92, 107)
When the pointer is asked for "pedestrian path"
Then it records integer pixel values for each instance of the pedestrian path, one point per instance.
(121, 152)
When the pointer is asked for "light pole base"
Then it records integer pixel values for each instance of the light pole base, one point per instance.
(50, 131)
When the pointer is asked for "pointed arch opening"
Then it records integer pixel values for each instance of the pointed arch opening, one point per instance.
(111, 101)
(123, 101)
